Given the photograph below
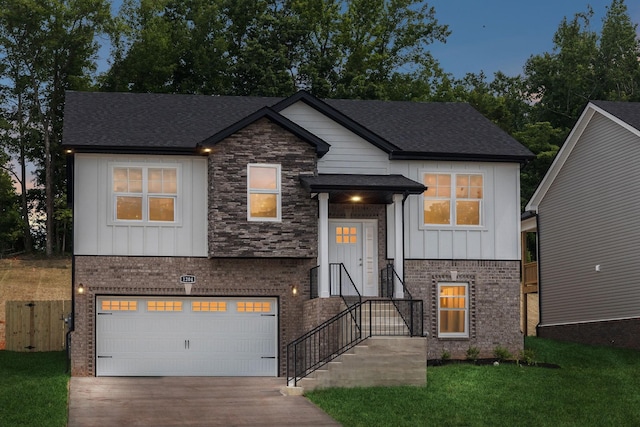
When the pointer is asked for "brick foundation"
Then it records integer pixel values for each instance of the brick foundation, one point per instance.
(494, 313)
(614, 333)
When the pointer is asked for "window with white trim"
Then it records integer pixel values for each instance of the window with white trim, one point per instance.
(263, 192)
(453, 199)
(453, 310)
(145, 193)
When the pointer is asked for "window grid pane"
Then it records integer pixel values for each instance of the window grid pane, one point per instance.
(209, 306)
(263, 192)
(119, 305)
(452, 309)
(164, 305)
(253, 306)
(441, 204)
(139, 193)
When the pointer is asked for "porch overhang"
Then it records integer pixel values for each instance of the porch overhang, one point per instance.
(366, 189)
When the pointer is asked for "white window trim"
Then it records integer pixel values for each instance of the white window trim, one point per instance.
(277, 192)
(464, 334)
(452, 225)
(177, 218)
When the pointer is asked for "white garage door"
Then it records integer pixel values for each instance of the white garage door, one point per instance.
(137, 336)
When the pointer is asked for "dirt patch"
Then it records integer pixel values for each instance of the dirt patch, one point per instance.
(32, 279)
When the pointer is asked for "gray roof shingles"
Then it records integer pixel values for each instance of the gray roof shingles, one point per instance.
(628, 112)
(167, 121)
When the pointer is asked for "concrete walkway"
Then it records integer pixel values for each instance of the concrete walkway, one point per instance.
(188, 401)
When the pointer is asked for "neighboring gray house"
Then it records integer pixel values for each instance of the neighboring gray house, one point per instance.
(210, 232)
(588, 230)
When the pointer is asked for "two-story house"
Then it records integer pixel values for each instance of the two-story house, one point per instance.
(208, 229)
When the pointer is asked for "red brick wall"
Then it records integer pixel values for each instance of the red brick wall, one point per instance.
(160, 276)
(494, 314)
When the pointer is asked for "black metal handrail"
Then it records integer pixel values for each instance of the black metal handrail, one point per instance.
(323, 344)
(341, 283)
(388, 283)
(347, 329)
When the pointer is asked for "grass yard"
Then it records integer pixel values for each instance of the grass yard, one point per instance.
(595, 386)
(33, 389)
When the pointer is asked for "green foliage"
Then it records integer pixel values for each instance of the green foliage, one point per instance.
(595, 386)
(501, 353)
(445, 355)
(585, 65)
(337, 48)
(10, 225)
(46, 48)
(473, 353)
(544, 141)
(527, 356)
(33, 389)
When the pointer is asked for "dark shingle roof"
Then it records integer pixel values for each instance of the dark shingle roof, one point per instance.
(628, 112)
(373, 188)
(154, 121)
(162, 121)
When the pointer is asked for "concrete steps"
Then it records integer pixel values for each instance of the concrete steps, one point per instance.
(377, 361)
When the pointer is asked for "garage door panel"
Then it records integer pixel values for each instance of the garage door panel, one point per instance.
(186, 336)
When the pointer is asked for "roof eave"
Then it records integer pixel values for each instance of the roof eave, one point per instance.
(109, 149)
(321, 146)
(337, 116)
(458, 157)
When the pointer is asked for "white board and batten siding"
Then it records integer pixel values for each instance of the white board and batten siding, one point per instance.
(95, 231)
(498, 238)
(587, 218)
(349, 153)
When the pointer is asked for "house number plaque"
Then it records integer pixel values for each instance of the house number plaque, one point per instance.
(187, 278)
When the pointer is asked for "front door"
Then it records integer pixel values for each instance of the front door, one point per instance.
(354, 243)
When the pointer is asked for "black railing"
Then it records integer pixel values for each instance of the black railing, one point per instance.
(340, 283)
(348, 328)
(323, 344)
(388, 279)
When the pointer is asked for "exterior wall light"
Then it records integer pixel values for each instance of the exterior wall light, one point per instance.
(294, 290)
(81, 288)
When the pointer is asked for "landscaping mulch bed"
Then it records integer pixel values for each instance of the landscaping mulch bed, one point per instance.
(490, 361)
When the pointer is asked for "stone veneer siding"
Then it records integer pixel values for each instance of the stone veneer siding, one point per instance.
(614, 333)
(230, 234)
(494, 306)
(160, 276)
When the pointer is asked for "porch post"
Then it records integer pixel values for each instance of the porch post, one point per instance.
(323, 246)
(399, 244)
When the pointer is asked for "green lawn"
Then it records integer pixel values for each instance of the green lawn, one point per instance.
(33, 389)
(594, 386)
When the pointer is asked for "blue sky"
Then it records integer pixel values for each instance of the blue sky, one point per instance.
(500, 35)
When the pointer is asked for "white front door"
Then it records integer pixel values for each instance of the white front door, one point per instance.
(354, 243)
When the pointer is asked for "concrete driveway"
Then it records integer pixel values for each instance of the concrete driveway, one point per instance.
(188, 401)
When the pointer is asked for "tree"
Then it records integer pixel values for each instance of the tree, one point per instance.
(618, 67)
(50, 47)
(562, 82)
(10, 225)
(544, 141)
(335, 48)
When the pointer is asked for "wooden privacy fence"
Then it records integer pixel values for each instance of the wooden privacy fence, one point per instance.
(36, 325)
